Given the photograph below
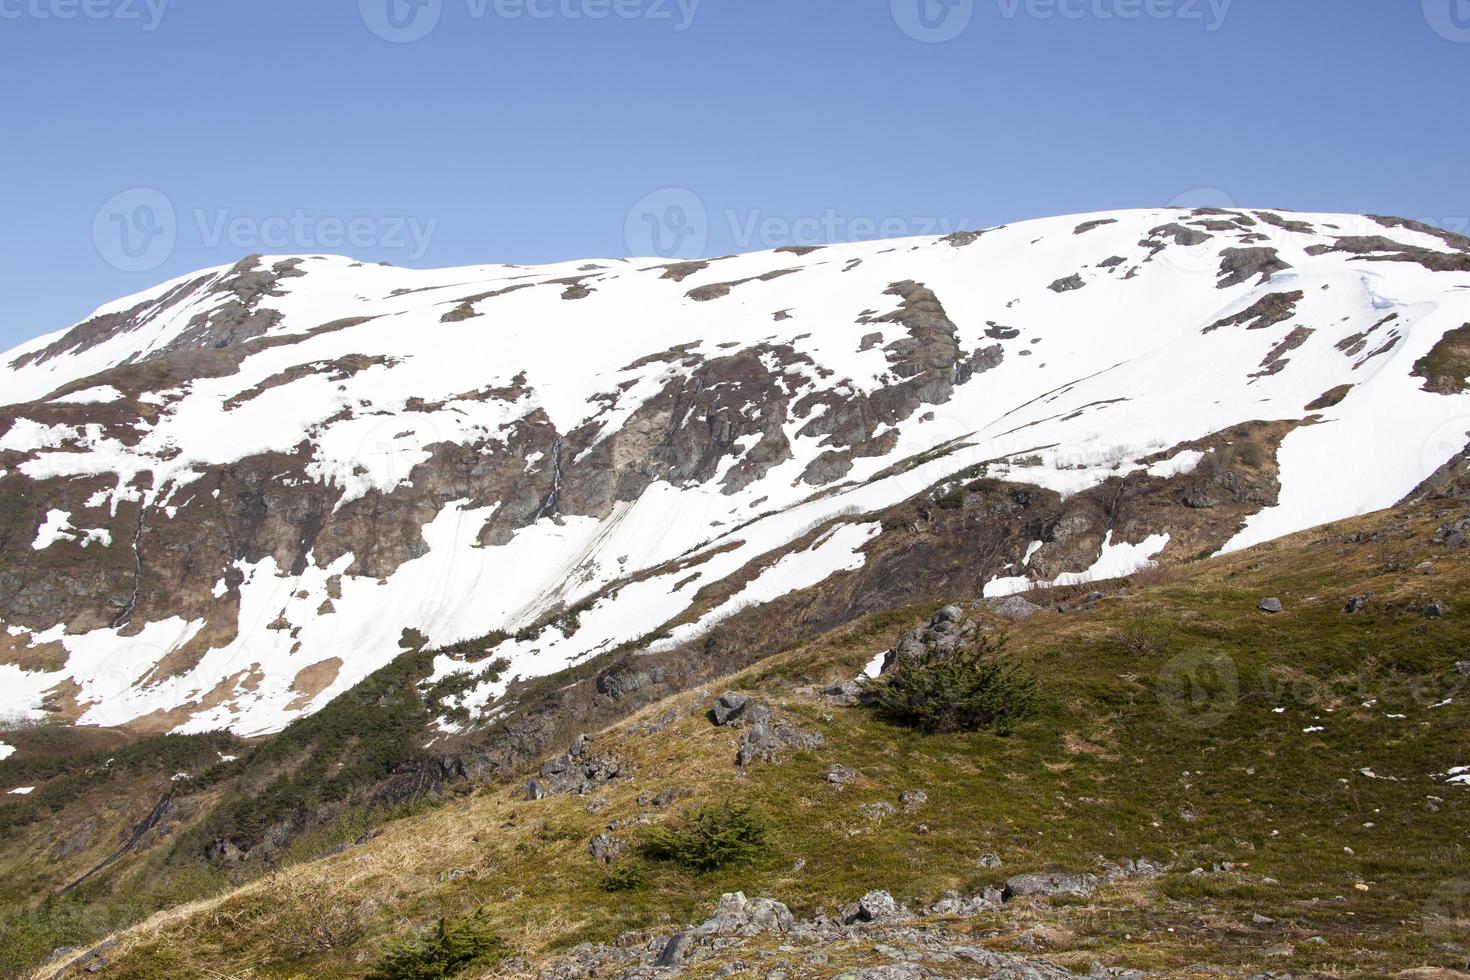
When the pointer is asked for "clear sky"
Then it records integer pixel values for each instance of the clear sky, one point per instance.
(143, 139)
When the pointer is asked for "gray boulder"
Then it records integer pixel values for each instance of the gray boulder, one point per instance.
(736, 915)
(768, 736)
(840, 775)
(577, 770)
(729, 707)
(1024, 886)
(952, 903)
(876, 906)
(605, 848)
(1270, 605)
(846, 694)
(1013, 608)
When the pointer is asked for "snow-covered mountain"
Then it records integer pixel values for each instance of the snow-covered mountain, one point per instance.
(223, 500)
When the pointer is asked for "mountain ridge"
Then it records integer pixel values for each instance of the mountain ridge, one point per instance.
(226, 497)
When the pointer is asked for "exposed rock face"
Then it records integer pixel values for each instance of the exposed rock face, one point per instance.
(234, 494)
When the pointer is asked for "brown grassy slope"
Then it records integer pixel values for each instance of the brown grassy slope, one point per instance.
(1178, 723)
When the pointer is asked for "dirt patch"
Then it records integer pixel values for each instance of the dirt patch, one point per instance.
(1329, 398)
(1265, 312)
(716, 290)
(1240, 265)
(1276, 361)
(1087, 226)
(1447, 365)
(313, 680)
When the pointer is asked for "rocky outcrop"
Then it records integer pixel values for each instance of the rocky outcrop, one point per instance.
(577, 771)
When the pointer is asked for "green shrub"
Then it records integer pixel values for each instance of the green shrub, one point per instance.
(445, 951)
(624, 878)
(714, 839)
(964, 691)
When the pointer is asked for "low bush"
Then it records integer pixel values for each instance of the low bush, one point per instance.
(624, 878)
(968, 690)
(447, 950)
(714, 838)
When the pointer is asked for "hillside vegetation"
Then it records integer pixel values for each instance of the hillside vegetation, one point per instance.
(1290, 771)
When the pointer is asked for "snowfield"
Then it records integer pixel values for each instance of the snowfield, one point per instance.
(1093, 379)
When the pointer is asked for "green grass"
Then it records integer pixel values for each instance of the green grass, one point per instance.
(1190, 749)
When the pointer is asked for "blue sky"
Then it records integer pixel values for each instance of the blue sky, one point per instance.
(147, 138)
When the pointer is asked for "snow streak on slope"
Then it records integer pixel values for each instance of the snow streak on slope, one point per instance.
(725, 409)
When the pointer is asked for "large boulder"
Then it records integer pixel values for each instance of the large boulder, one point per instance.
(736, 915)
(876, 906)
(1013, 608)
(729, 707)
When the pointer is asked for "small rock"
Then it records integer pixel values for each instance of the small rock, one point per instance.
(990, 861)
(1270, 605)
(840, 775)
(1279, 950)
(879, 810)
(913, 799)
(1463, 667)
(1262, 920)
(1434, 610)
(949, 614)
(1357, 603)
(605, 848)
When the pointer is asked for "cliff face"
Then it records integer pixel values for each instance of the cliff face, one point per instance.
(224, 500)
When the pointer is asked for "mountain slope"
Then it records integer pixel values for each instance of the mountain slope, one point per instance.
(222, 501)
(1303, 761)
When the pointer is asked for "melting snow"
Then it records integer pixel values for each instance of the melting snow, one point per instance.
(57, 527)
